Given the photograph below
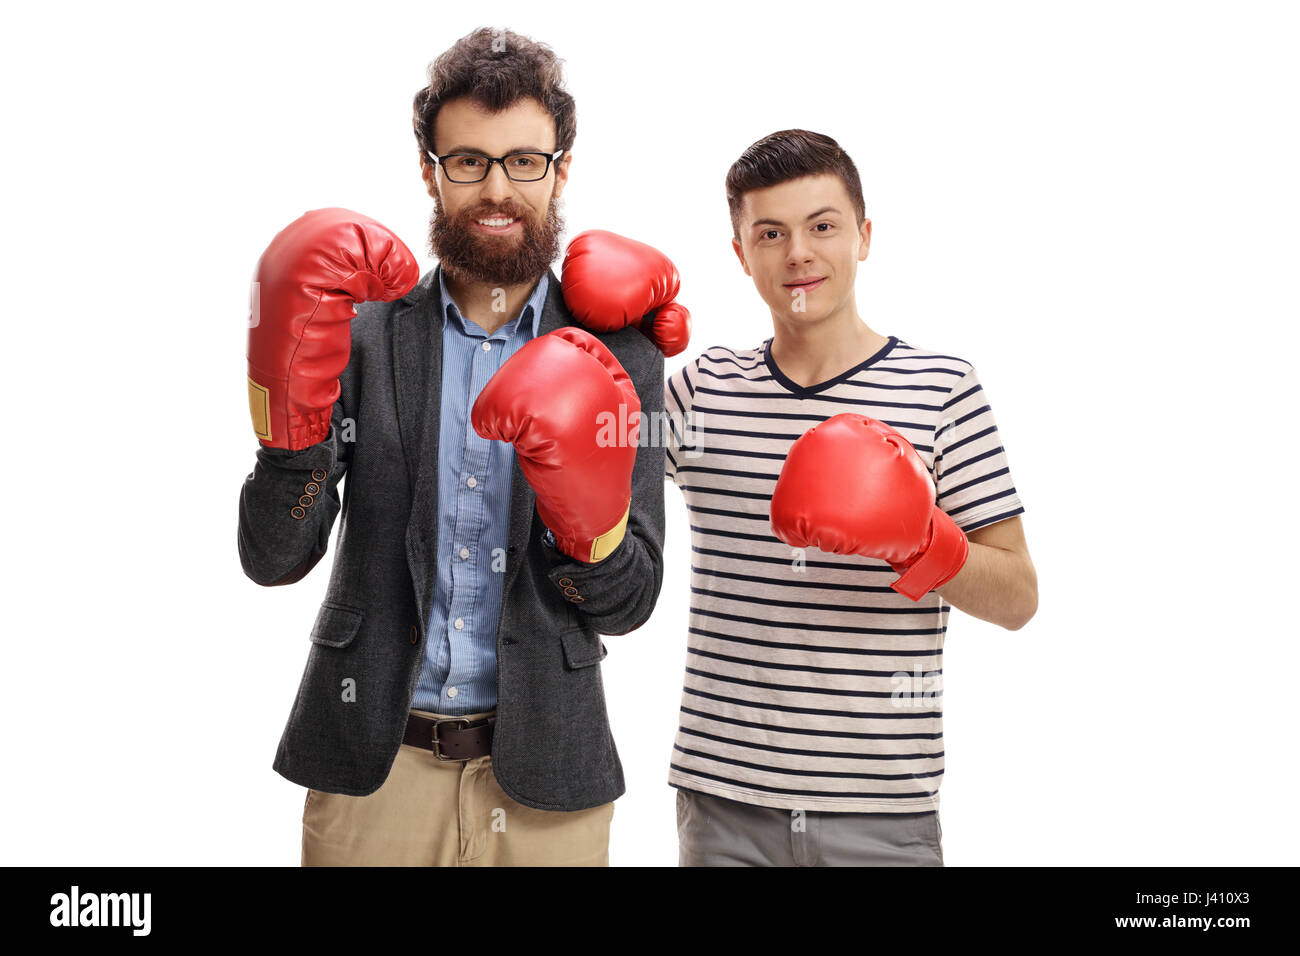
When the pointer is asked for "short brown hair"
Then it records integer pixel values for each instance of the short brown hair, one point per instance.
(790, 154)
(496, 67)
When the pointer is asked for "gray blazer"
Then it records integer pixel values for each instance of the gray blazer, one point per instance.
(552, 747)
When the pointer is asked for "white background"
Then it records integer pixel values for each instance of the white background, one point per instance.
(1095, 203)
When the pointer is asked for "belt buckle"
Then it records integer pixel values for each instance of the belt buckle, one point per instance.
(437, 746)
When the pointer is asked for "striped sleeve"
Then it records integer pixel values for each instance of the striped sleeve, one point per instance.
(971, 471)
(679, 395)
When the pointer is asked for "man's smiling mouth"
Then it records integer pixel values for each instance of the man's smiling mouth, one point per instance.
(496, 223)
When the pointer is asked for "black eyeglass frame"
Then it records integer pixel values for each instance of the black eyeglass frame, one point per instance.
(487, 170)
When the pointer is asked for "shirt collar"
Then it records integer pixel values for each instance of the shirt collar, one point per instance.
(536, 301)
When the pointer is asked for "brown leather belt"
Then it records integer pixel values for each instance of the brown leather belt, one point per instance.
(450, 738)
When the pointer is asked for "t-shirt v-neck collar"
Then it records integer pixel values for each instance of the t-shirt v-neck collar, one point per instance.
(807, 391)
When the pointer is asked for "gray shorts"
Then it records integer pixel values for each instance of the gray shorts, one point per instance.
(712, 831)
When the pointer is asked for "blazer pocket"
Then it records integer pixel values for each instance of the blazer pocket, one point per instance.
(336, 624)
(582, 649)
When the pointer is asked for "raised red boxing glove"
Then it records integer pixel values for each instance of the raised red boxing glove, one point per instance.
(563, 401)
(305, 290)
(853, 485)
(610, 282)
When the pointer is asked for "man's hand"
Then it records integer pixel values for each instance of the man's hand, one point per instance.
(563, 401)
(306, 287)
(853, 485)
(610, 282)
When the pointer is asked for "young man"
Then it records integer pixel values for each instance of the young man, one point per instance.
(451, 711)
(811, 719)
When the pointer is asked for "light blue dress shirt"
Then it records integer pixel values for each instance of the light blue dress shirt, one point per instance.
(474, 478)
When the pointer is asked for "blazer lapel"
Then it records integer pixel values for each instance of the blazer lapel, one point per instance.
(417, 374)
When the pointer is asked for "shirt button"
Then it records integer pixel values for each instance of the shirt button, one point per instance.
(460, 624)
(464, 553)
(452, 692)
(472, 481)
(487, 346)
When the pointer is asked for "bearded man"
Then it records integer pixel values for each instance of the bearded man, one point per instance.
(490, 531)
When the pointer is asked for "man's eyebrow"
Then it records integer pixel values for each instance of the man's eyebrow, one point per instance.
(514, 149)
(776, 222)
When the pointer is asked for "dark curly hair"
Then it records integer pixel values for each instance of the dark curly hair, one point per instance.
(496, 67)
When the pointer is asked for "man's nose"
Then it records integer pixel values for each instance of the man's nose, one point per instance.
(800, 251)
(496, 185)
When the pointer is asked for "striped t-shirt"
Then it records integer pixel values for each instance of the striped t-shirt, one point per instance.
(810, 683)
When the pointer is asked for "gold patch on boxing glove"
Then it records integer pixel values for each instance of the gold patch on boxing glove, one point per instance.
(604, 545)
(259, 406)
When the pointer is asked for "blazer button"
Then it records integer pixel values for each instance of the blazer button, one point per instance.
(305, 500)
(570, 590)
(318, 474)
(576, 599)
(565, 582)
(298, 512)
(415, 635)
(311, 488)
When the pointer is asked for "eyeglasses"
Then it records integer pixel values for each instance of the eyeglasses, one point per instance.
(474, 167)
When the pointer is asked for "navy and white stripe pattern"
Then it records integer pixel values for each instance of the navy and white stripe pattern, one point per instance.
(811, 683)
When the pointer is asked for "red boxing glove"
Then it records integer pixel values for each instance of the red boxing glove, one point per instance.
(610, 282)
(555, 400)
(853, 485)
(305, 290)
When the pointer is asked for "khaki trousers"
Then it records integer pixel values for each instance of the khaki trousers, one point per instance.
(432, 812)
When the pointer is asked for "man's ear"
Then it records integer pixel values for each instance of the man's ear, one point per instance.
(740, 254)
(562, 173)
(864, 235)
(428, 172)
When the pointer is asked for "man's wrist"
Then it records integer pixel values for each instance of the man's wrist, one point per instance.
(549, 541)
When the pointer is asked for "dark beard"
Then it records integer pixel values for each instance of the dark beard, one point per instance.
(470, 257)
